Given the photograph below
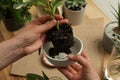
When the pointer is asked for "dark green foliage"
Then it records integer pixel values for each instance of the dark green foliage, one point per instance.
(8, 10)
(31, 76)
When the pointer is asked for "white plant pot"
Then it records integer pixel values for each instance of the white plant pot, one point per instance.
(74, 17)
(108, 35)
(76, 49)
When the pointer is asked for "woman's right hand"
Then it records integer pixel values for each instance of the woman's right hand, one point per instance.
(82, 70)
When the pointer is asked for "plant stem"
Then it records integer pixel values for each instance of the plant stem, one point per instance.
(57, 25)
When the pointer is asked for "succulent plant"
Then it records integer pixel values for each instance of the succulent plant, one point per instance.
(117, 16)
(75, 4)
(116, 35)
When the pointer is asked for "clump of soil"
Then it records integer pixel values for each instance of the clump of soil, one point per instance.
(61, 39)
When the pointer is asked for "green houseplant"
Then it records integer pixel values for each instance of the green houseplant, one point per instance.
(60, 40)
(13, 16)
(60, 33)
(111, 29)
(74, 11)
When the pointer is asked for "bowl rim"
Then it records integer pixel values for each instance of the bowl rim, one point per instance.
(80, 51)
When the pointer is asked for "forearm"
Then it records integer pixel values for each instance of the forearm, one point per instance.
(10, 51)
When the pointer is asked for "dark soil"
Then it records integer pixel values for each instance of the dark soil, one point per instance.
(62, 39)
(75, 8)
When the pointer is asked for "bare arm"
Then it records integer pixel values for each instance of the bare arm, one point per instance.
(28, 40)
(9, 52)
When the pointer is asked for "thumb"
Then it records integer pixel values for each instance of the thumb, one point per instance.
(80, 59)
(46, 26)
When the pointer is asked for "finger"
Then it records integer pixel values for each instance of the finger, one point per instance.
(58, 17)
(80, 59)
(71, 70)
(46, 18)
(47, 26)
(65, 72)
(76, 67)
(63, 21)
(85, 55)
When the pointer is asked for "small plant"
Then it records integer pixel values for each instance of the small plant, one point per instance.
(75, 4)
(116, 35)
(61, 33)
(117, 16)
(49, 6)
(31, 76)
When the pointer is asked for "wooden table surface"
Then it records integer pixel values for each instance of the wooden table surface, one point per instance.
(91, 11)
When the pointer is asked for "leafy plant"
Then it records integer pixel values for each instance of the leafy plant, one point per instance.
(49, 6)
(75, 4)
(117, 16)
(31, 76)
(9, 10)
(116, 35)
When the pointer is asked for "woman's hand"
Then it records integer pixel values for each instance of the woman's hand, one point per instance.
(81, 70)
(32, 36)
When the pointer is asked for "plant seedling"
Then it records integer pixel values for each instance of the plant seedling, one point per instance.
(61, 35)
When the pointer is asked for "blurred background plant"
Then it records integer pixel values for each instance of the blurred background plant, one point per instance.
(75, 4)
(19, 14)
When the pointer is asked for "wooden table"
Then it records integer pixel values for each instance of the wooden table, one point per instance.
(91, 11)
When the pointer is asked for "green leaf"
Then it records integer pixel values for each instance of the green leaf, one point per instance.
(31, 76)
(58, 4)
(40, 2)
(45, 76)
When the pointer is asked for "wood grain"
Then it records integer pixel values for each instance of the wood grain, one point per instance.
(92, 12)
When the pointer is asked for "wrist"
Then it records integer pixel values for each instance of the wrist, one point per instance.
(18, 48)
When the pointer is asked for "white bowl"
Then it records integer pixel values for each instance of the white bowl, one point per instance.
(76, 49)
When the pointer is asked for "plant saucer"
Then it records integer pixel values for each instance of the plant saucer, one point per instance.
(45, 61)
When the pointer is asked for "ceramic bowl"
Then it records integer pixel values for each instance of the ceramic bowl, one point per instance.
(76, 49)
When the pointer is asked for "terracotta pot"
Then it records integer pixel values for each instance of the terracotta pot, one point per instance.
(108, 35)
(74, 17)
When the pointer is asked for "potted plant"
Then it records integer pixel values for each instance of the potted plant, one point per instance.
(74, 11)
(113, 66)
(14, 13)
(111, 29)
(60, 38)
